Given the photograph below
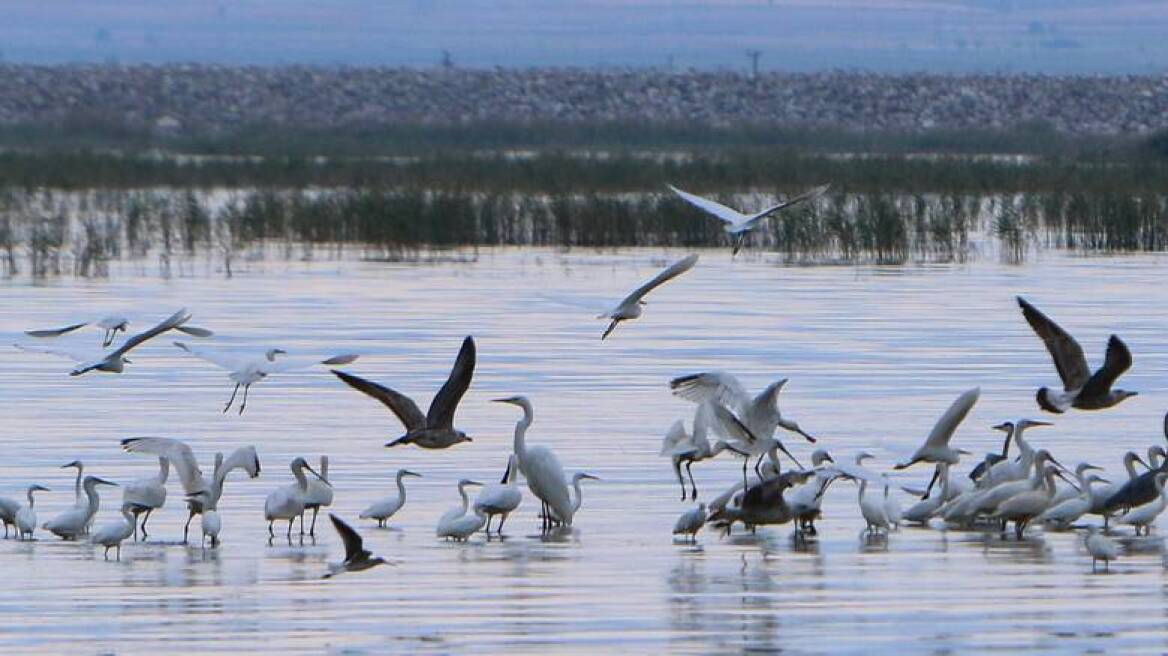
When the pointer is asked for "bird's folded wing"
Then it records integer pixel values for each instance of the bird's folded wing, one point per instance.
(708, 206)
(445, 402)
(1064, 350)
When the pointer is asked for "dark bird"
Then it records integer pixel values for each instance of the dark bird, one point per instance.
(357, 558)
(762, 503)
(434, 430)
(1081, 388)
(1139, 490)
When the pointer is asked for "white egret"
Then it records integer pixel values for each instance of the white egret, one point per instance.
(1061, 515)
(246, 371)
(994, 496)
(542, 469)
(1101, 548)
(922, 511)
(1023, 507)
(112, 535)
(872, 507)
(455, 523)
(146, 495)
(320, 494)
(630, 306)
(501, 498)
(115, 360)
(1082, 389)
(110, 325)
(71, 523)
(386, 507)
(209, 519)
(936, 448)
(689, 448)
(1007, 470)
(357, 557)
(578, 498)
(1067, 492)
(287, 502)
(738, 224)
(8, 509)
(1141, 517)
(690, 522)
(806, 499)
(26, 519)
(435, 429)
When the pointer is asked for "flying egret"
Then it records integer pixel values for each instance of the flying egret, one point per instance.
(630, 306)
(209, 520)
(110, 325)
(247, 371)
(1141, 517)
(1081, 388)
(193, 481)
(738, 224)
(146, 495)
(357, 557)
(288, 502)
(386, 507)
(26, 519)
(1101, 548)
(455, 523)
(501, 498)
(112, 535)
(435, 429)
(936, 448)
(689, 448)
(71, 523)
(690, 522)
(320, 494)
(542, 469)
(113, 361)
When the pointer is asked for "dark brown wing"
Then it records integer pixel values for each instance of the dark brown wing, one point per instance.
(54, 332)
(401, 405)
(353, 544)
(1064, 350)
(445, 402)
(1118, 360)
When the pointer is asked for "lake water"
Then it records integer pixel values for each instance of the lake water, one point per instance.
(874, 356)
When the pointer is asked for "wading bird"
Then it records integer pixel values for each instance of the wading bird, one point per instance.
(357, 557)
(320, 494)
(1101, 548)
(630, 306)
(762, 504)
(434, 430)
(386, 507)
(247, 371)
(146, 495)
(8, 509)
(288, 502)
(71, 524)
(110, 325)
(1062, 515)
(689, 448)
(936, 448)
(690, 522)
(1081, 388)
(501, 498)
(455, 523)
(26, 519)
(1141, 517)
(209, 520)
(738, 224)
(542, 469)
(112, 535)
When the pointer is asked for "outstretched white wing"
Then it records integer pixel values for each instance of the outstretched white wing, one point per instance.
(675, 438)
(715, 209)
(717, 386)
(180, 455)
(750, 222)
(215, 357)
(292, 364)
(672, 271)
(54, 332)
(947, 424)
(76, 356)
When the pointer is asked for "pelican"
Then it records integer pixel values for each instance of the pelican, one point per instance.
(247, 371)
(110, 325)
(112, 534)
(936, 448)
(435, 430)
(1139, 517)
(1101, 548)
(71, 523)
(26, 518)
(542, 469)
(193, 481)
(113, 361)
(357, 557)
(501, 498)
(209, 520)
(455, 523)
(320, 494)
(288, 502)
(1023, 507)
(386, 507)
(630, 306)
(1061, 515)
(759, 414)
(690, 522)
(689, 448)
(146, 495)
(1081, 388)
(738, 224)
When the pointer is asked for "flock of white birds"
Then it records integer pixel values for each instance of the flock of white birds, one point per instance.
(1024, 488)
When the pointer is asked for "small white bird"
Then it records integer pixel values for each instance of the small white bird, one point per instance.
(320, 494)
(113, 361)
(112, 535)
(690, 522)
(146, 495)
(871, 506)
(1101, 548)
(455, 523)
(26, 519)
(386, 507)
(922, 511)
(501, 498)
(892, 509)
(244, 371)
(1141, 517)
(72, 523)
(110, 325)
(288, 502)
(630, 306)
(738, 224)
(689, 448)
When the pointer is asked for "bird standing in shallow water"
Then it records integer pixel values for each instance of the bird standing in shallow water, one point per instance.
(1100, 547)
(386, 507)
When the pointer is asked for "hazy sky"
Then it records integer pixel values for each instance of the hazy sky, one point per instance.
(1034, 35)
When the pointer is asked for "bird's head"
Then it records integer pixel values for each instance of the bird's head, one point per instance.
(463, 437)
(272, 353)
(38, 488)
(518, 401)
(862, 456)
(75, 463)
(1005, 426)
(820, 456)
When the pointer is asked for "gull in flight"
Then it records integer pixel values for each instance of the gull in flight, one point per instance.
(116, 360)
(245, 371)
(434, 430)
(630, 306)
(1081, 388)
(357, 557)
(737, 223)
(110, 325)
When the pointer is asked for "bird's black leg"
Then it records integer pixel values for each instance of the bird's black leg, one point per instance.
(499, 529)
(271, 533)
(232, 399)
(312, 529)
(680, 479)
(929, 488)
(693, 486)
(290, 521)
(488, 527)
(187, 527)
(758, 467)
(144, 520)
(244, 403)
(745, 462)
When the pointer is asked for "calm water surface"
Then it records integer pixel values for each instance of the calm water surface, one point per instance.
(874, 354)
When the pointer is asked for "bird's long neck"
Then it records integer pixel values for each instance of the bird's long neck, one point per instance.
(94, 498)
(301, 479)
(324, 467)
(1006, 443)
(863, 486)
(401, 487)
(521, 430)
(1129, 463)
(462, 493)
(30, 501)
(163, 470)
(579, 494)
(77, 484)
(1154, 457)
